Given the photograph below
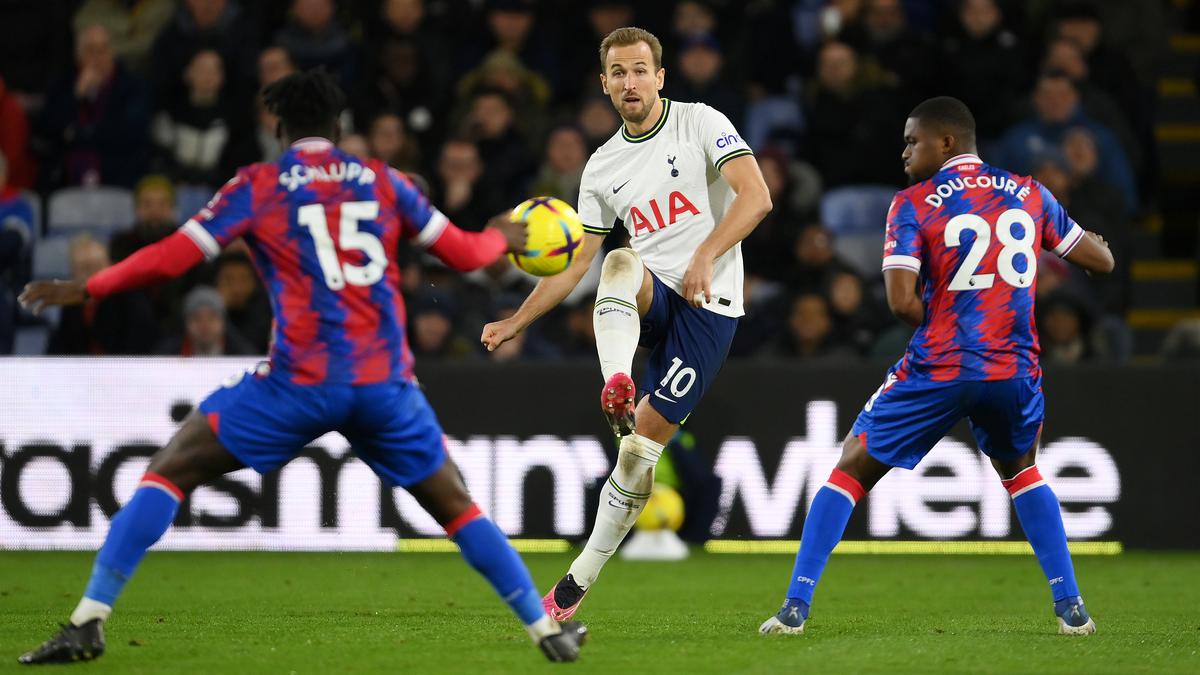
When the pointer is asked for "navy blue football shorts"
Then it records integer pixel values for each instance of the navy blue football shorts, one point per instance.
(688, 347)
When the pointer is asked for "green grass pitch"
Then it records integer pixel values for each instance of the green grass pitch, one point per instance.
(428, 613)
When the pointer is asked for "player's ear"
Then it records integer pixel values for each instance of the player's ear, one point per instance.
(604, 83)
(660, 78)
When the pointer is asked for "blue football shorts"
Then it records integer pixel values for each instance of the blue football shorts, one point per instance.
(265, 421)
(902, 422)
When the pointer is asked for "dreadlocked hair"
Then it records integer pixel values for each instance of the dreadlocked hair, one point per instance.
(306, 103)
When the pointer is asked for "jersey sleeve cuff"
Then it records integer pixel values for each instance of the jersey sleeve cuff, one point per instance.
(203, 239)
(596, 230)
(902, 262)
(432, 230)
(1072, 239)
(740, 152)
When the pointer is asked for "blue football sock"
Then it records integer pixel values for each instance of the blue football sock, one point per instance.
(135, 528)
(823, 529)
(487, 550)
(1038, 510)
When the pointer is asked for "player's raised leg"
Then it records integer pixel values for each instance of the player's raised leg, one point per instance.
(622, 298)
(192, 457)
(856, 473)
(488, 551)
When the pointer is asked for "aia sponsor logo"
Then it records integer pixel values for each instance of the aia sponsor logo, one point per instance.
(677, 205)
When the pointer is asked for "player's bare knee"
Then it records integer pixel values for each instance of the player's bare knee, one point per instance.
(1009, 468)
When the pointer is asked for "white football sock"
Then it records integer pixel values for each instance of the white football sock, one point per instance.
(615, 318)
(89, 609)
(622, 500)
(542, 628)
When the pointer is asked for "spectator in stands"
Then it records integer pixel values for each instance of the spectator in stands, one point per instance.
(402, 79)
(1108, 68)
(598, 121)
(562, 168)
(809, 331)
(132, 25)
(1183, 342)
(431, 332)
(1065, 56)
(816, 263)
(355, 144)
(985, 65)
(93, 125)
(579, 331)
(154, 213)
(461, 195)
(510, 26)
(14, 141)
(118, 324)
(407, 22)
(36, 45)
(854, 131)
(507, 162)
(17, 231)
(220, 25)
(856, 320)
(1065, 330)
(907, 59)
(247, 309)
(768, 251)
(274, 64)
(1056, 111)
(580, 66)
(315, 38)
(500, 71)
(700, 79)
(206, 329)
(197, 134)
(388, 141)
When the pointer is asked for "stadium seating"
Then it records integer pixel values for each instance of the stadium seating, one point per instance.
(856, 209)
(51, 259)
(864, 252)
(97, 209)
(189, 199)
(35, 204)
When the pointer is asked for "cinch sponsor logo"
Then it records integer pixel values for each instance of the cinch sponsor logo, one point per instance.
(728, 140)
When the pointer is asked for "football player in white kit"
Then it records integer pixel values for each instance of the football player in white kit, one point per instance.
(685, 185)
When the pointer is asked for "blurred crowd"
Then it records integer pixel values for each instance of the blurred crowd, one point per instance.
(487, 102)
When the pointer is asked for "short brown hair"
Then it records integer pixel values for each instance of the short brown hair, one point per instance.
(623, 37)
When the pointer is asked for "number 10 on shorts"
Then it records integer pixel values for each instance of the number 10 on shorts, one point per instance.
(680, 379)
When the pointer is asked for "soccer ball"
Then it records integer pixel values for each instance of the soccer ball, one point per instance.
(664, 510)
(554, 232)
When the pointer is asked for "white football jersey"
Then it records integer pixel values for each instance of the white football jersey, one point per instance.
(665, 187)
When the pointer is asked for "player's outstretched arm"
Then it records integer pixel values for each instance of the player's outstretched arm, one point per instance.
(1092, 254)
(464, 251)
(750, 205)
(903, 296)
(166, 259)
(545, 296)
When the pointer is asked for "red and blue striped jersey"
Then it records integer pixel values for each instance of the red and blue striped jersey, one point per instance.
(324, 228)
(973, 233)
